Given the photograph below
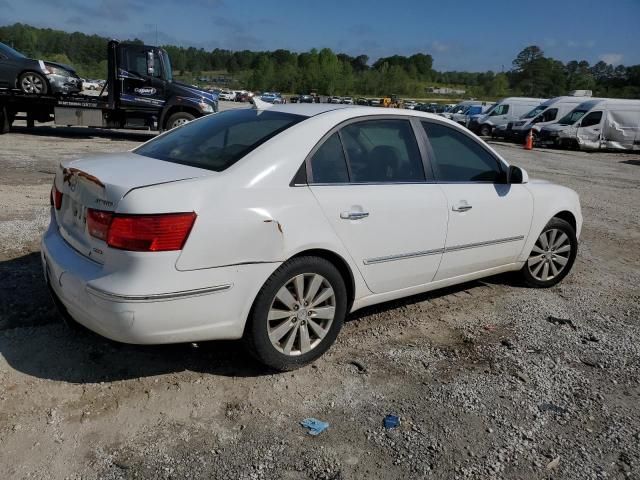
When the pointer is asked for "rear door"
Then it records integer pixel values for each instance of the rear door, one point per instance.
(489, 220)
(370, 181)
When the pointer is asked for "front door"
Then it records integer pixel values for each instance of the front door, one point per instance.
(489, 219)
(369, 180)
(589, 131)
(140, 88)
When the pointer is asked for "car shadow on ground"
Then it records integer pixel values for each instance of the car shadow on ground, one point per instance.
(35, 341)
(632, 162)
(84, 133)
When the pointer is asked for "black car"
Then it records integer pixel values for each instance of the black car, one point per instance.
(36, 76)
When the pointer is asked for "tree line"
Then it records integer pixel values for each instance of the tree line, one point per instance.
(330, 73)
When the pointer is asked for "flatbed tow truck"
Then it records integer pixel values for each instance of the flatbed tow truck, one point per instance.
(140, 93)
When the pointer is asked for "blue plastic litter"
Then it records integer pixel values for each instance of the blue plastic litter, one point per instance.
(315, 426)
(391, 421)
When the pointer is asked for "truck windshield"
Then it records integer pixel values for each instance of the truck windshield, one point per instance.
(168, 72)
(10, 52)
(219, 140)
(572, 117)
(535, 112)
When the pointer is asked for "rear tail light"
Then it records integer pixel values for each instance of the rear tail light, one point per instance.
(98, 223)
(141, 233)
(56, 197)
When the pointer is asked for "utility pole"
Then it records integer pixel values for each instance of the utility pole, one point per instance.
(156, 34)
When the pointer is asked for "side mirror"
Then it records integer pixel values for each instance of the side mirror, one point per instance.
(150, 63)
(517, 175)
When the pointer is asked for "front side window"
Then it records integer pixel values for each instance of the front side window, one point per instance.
(382, 151)
(592, 119)
(217, 141)
(572, 117)
(459, 158)
(502, 109)
(549, 115)
(328, 164)
(534, 113)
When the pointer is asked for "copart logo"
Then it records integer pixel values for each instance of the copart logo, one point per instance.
(145, 91)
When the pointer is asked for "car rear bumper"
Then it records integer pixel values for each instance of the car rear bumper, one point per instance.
(215, 309)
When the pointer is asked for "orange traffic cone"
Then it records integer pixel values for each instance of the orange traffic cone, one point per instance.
(528, 141)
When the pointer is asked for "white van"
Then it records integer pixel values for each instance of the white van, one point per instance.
(604, 123)
(503, 112)
(547, 112)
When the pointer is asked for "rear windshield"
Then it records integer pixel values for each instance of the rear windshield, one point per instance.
(219, 140)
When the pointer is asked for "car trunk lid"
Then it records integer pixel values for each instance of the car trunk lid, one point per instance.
(100, 183)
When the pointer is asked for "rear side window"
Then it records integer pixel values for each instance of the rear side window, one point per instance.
(382, 151)
(459, 158)
(592, 119)
(328, 164)
(219, 140)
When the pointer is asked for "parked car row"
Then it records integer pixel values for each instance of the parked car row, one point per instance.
(576, 121)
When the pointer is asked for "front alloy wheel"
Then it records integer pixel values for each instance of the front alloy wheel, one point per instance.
(297, 314)
(31, 82)
(552, 255)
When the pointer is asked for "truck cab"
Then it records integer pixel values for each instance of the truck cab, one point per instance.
(144, 85)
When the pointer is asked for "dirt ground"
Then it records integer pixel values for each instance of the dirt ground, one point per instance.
(490, 379)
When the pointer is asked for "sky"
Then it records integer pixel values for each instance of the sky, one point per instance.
(459, 34)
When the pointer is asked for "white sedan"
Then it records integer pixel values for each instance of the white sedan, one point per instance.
(272, 224)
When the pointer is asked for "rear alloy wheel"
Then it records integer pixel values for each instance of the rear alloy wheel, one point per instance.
(178, 119)
(32, 82)
(297, 314)
(485, 130)
(552, 256)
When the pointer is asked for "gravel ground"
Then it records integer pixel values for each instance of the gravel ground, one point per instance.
(490, 379)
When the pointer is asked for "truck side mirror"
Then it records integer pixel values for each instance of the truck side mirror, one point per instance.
(150, 63)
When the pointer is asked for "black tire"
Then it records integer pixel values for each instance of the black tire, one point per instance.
(528, 271)
(485, 131)
(178, 119)
(256, 334)
(33, 83)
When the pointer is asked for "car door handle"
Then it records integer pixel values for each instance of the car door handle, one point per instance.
(353, 215)
(462, 207)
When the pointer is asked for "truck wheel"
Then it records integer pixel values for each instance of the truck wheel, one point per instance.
(178, 119)
(32, 82)
(485, 130)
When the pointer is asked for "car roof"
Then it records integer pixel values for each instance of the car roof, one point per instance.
(308, 109)
(313, 109)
